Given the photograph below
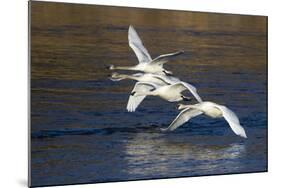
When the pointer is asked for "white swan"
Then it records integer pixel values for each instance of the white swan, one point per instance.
(148, 82)
(210, 109)
(146, 64)
(171, 93)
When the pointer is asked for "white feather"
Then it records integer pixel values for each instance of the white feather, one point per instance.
(232, 120)
(183, 117)
(136, 44)
(135, 100)
(164, 58)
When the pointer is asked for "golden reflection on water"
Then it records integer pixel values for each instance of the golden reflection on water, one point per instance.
(71, 41)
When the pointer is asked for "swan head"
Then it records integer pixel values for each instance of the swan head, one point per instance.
(116, 77)
(111, 67)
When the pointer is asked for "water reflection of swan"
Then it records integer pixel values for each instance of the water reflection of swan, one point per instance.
(146, 64)
(210, 109)
(156, 154)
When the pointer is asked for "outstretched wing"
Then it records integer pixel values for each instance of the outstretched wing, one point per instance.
(134, 101)
(232, 120)
(136, 44)
(160, 60)
(182, 118)
(181, 86)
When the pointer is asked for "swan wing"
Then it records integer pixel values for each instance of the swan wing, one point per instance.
(168, 80)
(232, 120)
(134, 101)
(160, 60)
(192, 90)
(182, 117)
(136, 44)
(181, 86)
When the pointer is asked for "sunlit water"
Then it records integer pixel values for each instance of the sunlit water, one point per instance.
(80, 129)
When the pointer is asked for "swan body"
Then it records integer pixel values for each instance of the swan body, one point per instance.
(166, 93)
(210, 109)
(146, 63)
(149, 84)
(171, 93)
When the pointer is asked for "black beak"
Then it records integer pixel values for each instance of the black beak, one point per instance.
(133, 93)
(109, 67)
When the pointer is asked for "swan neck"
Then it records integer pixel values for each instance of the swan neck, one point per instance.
(153, 93)
(146, 93)
(124, 76)
(124, 68)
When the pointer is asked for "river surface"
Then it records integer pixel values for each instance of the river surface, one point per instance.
(80, 129)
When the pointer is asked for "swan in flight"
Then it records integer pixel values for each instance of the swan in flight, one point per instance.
(146, 63)
(210, 109)
(148, 82)
(171, 93)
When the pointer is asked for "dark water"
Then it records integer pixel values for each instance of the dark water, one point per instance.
(80, 129)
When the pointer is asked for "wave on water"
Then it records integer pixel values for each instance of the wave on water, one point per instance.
(94, 131)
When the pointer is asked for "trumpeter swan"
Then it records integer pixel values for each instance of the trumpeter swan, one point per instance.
(210, 109)
(171, 93)
(146, 63)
